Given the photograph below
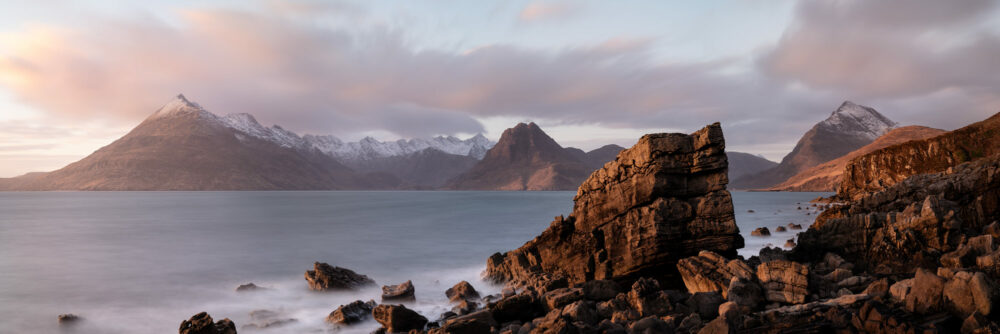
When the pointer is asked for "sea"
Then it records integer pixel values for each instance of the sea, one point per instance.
(141, 262)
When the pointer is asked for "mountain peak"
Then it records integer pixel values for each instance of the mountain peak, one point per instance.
(856, 119)
(177, 106)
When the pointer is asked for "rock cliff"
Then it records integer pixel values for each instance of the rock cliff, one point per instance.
(661, 200)
(880, 169)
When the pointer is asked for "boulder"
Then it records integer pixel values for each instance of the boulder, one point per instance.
(967, 293)
(878, 288)
(201, 323)
(790, 243)
(706, 304)
(784, 281)
(600, 290)
(465, 307)
(660, 201)
(558, 298)
(68, 319)
(521, 307)
(794, 226)
(355, 312)
(398, 318)
(647, 298)
(248, 287)
(461, 291)
(472, 323)
(780, 229)
(744, 292)
(325, 277)
(761, 232)
(709, 271)
(400, 292)
(901, 289)
(925, 294)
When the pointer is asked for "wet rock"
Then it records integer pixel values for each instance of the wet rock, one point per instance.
(784, 281)
(201, 323)
(462, 291)
(473, 323)
(68, 319)
(465, 307)
(399, 292)
(925, 294)
(355, 312)
(325, 277)
(662, 200)
(761, 232)
(790, 243)
(794, 226)
(711, 272)
(248, 287)
(780, 229)
(398, 318)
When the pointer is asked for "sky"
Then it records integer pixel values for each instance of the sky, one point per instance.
(76, 75)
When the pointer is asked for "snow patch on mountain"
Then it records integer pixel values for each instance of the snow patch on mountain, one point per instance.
(179, 106)
(370, 148)
(857, 120)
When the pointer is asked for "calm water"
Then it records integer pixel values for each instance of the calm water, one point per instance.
(140, 262)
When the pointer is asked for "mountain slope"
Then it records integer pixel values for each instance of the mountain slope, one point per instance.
(848, 128)
(371, 149)
(827, 176)
(885, 167)
(741, 164)
(184, 147)
(525, 158)
(427, 169)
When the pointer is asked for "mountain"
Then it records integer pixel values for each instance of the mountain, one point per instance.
(372, 149)
(827, 176)
(741, 164)
(848, 128)
(429, 168)
(885, 167)
(184, 147)
(525, 158)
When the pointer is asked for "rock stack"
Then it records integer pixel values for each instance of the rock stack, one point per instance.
(660, 201)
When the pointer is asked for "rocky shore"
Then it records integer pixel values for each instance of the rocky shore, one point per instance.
(650, 247)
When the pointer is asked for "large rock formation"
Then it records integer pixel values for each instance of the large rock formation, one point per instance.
(661, 200)
(848, 128)
(325, 277)
(201, 323)
(827, 176)
(880, 169)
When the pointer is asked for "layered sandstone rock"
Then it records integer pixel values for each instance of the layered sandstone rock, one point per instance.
(661, 200)
(398, 318)
(710, 272)
(352, 313)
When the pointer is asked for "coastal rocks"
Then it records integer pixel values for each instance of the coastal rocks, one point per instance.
(352, 313)
(472, 323)
(784, 281)
(461, 291)
(398, 318)
(709, 272)
(248, 287)
(68, 319)
(967, 293)
(925, 293)
(794, 226)
(761, 232)
(780, 229)
(325, 277)
(521, 307)
(201, 323)
(660, 201)
(600, 290)
(399, 292)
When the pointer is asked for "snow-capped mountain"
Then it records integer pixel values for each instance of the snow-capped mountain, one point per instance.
(366, 149)
(370, 148)
(857, 120)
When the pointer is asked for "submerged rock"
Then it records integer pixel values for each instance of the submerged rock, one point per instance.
(761, 232)
(201, 323)
(248, 287)
(325, 277)
(660, 201)
(399, 292)
(68, 319)
(352, 313)
(261, 319)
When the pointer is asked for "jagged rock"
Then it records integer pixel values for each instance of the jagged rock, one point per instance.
(647, 298)
(967, 293)
(711, 272)
(398, 318)
(461, 291)
(761, 232)
(744, 292)
(583, 311)
(325, 277)
(600, 290)
(201, 323)
(68, 319)
(784, 281)
(661, 200)
(706, 304)
(248, 287)
(901, 289)
(355, 312)
(690, 323)
(472, 323)
(925, 295)
(399, 292)
(878, 288)
(522, 307)
(558, 298)
(465, 307)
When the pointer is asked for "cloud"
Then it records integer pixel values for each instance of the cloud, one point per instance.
(538, 11)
